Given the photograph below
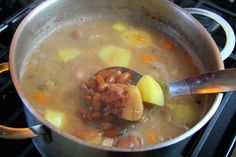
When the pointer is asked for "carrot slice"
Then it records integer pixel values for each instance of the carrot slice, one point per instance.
(147, 58)
(40, 97)
(168, 45)
(152, 137)
(140, 38)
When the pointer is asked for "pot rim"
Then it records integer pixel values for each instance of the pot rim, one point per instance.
(173, 141)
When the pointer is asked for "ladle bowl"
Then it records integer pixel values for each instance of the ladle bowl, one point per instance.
(205, 83)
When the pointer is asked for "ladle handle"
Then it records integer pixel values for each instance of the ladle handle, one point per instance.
(211, 82)
(19, 133)
(230, 36)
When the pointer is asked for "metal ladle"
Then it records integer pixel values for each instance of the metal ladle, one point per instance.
(205, 83)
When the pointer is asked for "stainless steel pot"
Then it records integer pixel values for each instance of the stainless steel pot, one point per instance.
(53, 142)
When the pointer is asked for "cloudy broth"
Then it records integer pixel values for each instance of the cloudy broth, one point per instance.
(72, 54)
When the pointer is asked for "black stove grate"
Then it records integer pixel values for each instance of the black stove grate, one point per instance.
(217, 138)
(12, 115)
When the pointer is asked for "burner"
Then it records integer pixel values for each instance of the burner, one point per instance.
(227, 4)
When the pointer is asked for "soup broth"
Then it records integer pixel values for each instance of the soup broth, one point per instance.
(70, 55)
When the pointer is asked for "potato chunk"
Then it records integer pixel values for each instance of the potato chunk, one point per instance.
(55, 117)
(184, 112)
(151, 91)
(136, 38)
(133, 108)
(115, 56)
(67, 54)
(119, 27)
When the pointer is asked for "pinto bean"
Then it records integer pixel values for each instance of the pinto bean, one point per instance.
(88, 99)
(124, 142)
(106, 125)
(118, 73)
(84, 89)
(96, 102)
(136, 139)
(85, 113)
(97, 115)
(77, 35)
(107, 73)
(124, 77)
(130, 141)
(103, 87)
(92, 84)
(113, 132)
(111, 79)
(100, 80)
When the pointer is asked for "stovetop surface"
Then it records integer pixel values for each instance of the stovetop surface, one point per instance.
(217, 138)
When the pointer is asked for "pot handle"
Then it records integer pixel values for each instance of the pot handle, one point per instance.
(230, 36)
(19, 133)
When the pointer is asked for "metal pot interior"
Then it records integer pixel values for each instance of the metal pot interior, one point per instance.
(171, 19)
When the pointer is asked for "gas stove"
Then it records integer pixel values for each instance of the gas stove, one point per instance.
(217, 138)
